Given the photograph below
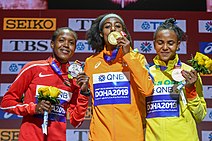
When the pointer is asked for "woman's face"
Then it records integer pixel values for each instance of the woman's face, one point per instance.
(166, 44)
(110, 25)
(64, 46)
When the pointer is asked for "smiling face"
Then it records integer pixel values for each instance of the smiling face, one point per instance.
(110, 25)
(64, 46)
(166, 44)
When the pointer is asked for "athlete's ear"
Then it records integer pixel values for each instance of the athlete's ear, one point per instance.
(101, 34)
(178, 45)
(52, 44)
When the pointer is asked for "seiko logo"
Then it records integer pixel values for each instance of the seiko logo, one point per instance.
(29, 24)
(9, 134)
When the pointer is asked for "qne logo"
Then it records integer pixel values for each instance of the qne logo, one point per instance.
(11, 67)
(111, 77)
(205, 47)
(169, 89)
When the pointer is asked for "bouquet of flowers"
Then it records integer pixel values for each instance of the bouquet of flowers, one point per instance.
(201, 63)
(51, 94)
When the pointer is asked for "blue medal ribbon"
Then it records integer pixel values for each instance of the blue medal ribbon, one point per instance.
(58, 71)
(163, 68)
(55, 68)
(109, 58)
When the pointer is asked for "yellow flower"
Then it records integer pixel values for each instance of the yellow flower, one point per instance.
(208, 63)
(54, 92)
(205, 57)
(44, 91)
(49, 93)
(198, 56)
(201, 62)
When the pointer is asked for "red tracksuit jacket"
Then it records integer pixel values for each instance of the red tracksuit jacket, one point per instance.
(32, 76)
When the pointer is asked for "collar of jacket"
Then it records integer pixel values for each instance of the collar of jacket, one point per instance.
(63, 67)
(118, 56)
(171, 63)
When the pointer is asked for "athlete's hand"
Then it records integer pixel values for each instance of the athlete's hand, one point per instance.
(124, 43)
(190, 76)
(82, 81)
(42, 106)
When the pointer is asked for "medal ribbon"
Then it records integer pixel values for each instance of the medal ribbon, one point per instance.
(109, 58)
(163, 68)
(58, 71)
(55, 68)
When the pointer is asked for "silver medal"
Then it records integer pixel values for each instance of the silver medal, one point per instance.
(177, 76)
(74, 69)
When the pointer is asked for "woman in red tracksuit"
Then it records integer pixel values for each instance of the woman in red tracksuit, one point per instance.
(51, 72)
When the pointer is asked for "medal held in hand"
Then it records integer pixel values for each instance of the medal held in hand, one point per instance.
(176, 75)
(113, 36)
(74, 69)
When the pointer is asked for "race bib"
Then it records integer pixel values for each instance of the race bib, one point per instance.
(162, 106)
(111, 88)
(163, 103)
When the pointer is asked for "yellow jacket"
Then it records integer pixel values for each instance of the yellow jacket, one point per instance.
(113, 119)
(182, 128)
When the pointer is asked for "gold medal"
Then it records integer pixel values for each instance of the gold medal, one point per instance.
(113, 36)
(177, 75)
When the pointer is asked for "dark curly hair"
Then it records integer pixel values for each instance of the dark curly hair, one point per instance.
(170, 24)
(93, 35)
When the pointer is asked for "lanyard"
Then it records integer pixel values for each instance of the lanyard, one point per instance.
(55, 68)
(58, 71)
(109, 58)
(163, 68)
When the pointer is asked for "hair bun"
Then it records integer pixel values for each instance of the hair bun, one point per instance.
(170, 20)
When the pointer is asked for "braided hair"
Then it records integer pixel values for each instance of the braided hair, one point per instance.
(170, 24)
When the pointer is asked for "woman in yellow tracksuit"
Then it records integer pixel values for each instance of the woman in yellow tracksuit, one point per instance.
(177, 103)
(119, 82)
